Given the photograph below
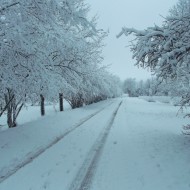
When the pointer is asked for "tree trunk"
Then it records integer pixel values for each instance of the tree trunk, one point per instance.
(61, 102)
(10, 102)
(7, 102)
(42, 105)
(16, 110)
(13, 108)
(9, 117)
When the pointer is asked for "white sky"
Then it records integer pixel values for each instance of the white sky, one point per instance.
(113, 15)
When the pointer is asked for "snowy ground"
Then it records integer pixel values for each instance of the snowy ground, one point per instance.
(145, 150)
(31, 113)
(162, 99)
(125, 143)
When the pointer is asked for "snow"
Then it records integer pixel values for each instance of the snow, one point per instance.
(19, 144)
(30, 113)
(2, 18)
(144, 150)
(162, 99)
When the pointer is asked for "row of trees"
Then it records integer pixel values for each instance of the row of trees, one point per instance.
(138, 88)
(153, 87)
(50, 49)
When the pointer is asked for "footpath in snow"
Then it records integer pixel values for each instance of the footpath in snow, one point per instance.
(125, 143)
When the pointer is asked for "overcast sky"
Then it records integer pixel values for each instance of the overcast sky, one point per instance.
(113, 15)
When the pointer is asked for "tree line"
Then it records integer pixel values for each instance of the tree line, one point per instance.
(154, 87)
(50, 50)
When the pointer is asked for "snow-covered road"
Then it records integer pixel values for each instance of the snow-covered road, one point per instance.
(127, 143)
(145, 150)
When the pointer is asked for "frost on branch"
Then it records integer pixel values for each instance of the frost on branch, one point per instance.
(166, 49)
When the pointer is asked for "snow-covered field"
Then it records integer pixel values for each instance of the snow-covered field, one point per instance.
(124, 143)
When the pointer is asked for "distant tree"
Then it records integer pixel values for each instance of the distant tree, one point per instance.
(140, 88)
(130, 87)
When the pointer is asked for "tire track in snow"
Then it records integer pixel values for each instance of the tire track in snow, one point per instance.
(34, 155)
(85, 175)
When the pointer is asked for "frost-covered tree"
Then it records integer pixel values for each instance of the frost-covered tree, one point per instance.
(49, 49)
(27, 30)
(130, 87)
(140, 88)
(165, 49)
